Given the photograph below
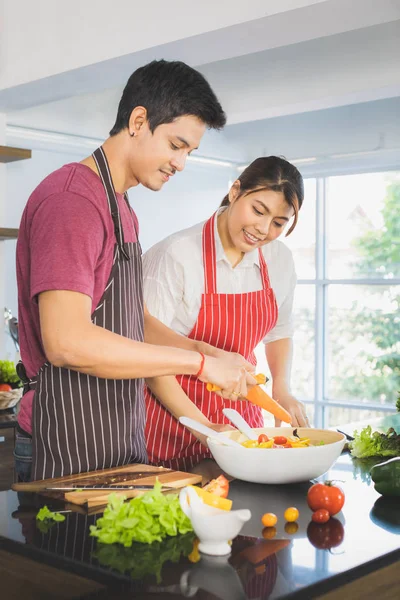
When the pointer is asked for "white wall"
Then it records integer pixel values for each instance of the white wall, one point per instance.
(189, 198)
(3, 173)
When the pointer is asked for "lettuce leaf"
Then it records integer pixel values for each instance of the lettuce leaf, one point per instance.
(45, 513)
(45, 519)
(146, 519)
(368, 443)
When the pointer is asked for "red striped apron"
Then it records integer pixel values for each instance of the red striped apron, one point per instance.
(232, 322)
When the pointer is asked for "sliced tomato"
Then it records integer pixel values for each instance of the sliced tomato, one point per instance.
(213, 499)
(218, 487)
(263, 438)
(5, 387)
(280, 440)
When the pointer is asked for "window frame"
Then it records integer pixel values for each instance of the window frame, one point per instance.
(321, 401)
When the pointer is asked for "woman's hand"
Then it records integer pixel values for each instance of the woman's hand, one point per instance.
(295, 408)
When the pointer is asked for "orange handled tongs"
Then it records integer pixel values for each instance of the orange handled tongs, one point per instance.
(257, 396)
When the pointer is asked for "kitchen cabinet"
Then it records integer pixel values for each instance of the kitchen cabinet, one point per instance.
(9, 154)
(8, 233)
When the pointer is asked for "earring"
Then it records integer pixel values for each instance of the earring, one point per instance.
(132, 134)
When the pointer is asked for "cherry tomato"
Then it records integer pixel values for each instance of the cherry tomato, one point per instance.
(325, 535)
(263, 438)
(291, 528)
(325, 495)
(321, 516)
(269, 520)
(5, 387)
(219, 487)
(269, 533)
(280, 440)
(291, 514)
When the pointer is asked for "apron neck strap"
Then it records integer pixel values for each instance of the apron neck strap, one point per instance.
(105, 176)
(210, 262)
(209, 258)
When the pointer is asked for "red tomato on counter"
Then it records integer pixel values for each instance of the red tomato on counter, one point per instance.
(263, 438)
(219, 487)
(325, 495)
(321, 516)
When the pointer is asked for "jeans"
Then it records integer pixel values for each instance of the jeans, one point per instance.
(23, 455)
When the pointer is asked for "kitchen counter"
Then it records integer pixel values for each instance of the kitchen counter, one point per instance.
(294, 564)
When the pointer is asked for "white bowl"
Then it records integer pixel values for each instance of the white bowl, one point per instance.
(279, 465)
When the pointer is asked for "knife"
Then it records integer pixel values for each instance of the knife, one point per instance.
(84, 488)
(349, 438)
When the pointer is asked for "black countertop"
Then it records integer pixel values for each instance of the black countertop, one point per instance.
(288, 566)
(8, 418)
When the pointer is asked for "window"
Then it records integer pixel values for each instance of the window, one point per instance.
(347, 307)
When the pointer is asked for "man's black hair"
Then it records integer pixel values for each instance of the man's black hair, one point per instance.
(169, 90)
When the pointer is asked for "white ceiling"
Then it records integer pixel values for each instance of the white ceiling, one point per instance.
(319, 84)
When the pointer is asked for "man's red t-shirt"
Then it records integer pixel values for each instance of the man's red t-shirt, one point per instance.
(66, 242)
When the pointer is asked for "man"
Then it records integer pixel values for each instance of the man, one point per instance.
(86, 337)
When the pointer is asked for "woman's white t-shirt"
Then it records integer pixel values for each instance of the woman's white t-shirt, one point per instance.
(174, 279)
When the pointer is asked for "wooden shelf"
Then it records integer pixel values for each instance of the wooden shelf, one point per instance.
(8, 154)
(8, 234)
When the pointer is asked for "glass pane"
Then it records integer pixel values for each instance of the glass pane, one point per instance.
(339, 415)
(302, 240)
(304, 342)
(363, 343)
(302, 379)
(363, 220)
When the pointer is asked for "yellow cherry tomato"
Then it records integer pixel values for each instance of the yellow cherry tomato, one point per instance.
(291, 514)
(269, 520)
(269, 533)
(291, 528)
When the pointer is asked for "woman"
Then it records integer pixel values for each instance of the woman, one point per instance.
(230, 283)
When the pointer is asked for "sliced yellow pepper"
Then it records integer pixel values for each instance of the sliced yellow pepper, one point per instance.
(268, 444)
(250, 444)
(299, 445)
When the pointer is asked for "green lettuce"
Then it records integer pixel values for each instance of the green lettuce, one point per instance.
(146, 519)
(368, 443)
(46, 518)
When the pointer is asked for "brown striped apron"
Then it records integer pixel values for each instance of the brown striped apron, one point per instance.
(81, 422)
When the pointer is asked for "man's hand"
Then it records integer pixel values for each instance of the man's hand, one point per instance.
(233, 379)
(234, 358)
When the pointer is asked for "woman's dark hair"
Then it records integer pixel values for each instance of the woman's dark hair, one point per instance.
(276, 174)
(169, 90)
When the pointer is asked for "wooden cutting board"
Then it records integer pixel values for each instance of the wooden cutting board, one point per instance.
(135, 474)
